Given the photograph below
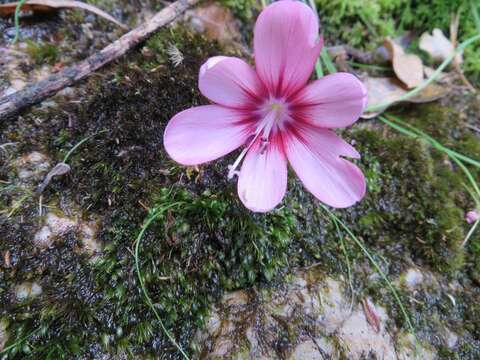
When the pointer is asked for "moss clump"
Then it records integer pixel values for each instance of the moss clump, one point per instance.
(412, 213)
(207, 243)
(364, 24)
(42, 52)
(242, 8)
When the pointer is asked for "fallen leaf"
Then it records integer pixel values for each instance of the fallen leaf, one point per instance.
(6, 258)
(59, 170)
(384, 89)
(47, 5)
(216, 21)
(407, 67)
(371, 315)
(438, 46)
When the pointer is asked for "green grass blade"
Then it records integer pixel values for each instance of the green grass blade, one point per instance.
(369, 66)
(415, 132)
(17, 20)
(347, 260)
(327, 61)
(18, 342)
(319, 69)
(80, 143)
(470, 233)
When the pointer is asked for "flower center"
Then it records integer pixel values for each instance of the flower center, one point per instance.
(273, 114)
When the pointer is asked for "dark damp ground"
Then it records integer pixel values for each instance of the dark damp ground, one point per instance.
(206, 244)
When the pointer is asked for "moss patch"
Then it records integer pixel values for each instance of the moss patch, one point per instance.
(208, 243)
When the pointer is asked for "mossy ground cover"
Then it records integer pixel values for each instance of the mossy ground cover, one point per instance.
(364, 24)
(209, 243)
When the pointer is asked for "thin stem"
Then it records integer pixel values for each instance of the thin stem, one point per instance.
(349, 268)
(17, 20)
(427, 82)
(419, 133)
(77, 145)
(327, 61)
(319, 69)
(154, 215)
(377, 267)
(369, 66)
(470, 233)
(16, 343)
(469, 176)
(474, 196)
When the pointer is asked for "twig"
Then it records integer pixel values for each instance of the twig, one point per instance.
(35, 93)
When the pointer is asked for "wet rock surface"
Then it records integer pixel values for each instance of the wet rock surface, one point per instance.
(310, 317)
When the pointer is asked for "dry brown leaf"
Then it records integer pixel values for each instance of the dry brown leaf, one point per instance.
(438, 46)
(48, 5)
(216, 21)
(407, 67)
(383, 89)
(371, 315)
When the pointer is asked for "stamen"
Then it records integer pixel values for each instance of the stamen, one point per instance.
(264, 128)
(232, 168)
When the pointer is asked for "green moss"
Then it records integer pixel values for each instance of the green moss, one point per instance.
(209, 244)
(364, 24)
(42, 52)
(242, 8)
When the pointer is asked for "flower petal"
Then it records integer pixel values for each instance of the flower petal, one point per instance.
(231, 82)
(286, 46)
(333, 101)
(205, 133)
(263, 177)
(314, 154)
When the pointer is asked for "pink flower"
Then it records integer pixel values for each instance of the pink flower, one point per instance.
(472, 216)
(276, 115)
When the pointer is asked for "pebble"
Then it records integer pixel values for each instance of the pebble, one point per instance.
(27, 290)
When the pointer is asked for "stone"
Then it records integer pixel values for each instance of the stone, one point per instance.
(54, 227)
(32, 166)
(413, 278)
(308, 350)
(362, 339)
(250, 325)
(450, 338)
(27, 290)
(88, 238)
